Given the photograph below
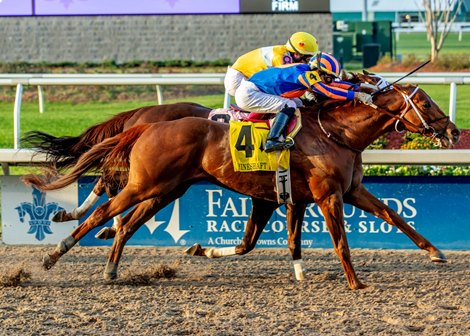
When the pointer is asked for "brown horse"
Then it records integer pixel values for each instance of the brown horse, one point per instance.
(63, 152)
(326, 168)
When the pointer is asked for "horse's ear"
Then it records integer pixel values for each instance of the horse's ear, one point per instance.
(346, 75)
(365, 72)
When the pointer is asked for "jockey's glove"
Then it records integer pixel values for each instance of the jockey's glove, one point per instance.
(368, 86)
(310, 96)
(363, 97)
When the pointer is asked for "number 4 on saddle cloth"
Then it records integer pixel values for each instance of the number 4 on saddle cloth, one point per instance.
(248, 133)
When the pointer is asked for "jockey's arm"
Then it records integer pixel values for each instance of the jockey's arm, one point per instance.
(345, 85)
(333, 91)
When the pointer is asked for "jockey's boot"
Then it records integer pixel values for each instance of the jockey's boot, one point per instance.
(274, 142)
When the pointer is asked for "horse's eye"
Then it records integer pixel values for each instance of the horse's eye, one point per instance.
(426, 105)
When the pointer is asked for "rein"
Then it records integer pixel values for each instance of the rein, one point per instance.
(399, 118)
(332, 137)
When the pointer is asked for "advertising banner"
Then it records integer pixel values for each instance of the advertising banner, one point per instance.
(159, 7)
(16, 7)
(285, 6)
(113, 7)
(27, 213)
(435, 206)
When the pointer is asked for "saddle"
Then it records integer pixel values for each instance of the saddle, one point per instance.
(235, 113)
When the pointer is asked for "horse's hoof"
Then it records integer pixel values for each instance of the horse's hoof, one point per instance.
(48, 261)
(195, 250)
(358, 285)
(106, 233)
(60, 216)
(110, 276)
(438, 257)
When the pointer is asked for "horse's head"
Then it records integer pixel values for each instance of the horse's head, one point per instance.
(416, 112)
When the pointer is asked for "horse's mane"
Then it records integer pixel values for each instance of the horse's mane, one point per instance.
(329, 104)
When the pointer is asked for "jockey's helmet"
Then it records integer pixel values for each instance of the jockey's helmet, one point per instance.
(302, 43)
(325, 63)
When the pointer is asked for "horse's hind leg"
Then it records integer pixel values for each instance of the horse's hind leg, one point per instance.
(124, 200)
(294, 218)
(79, 212)
(363, 199)
(111, 190)
(140, 213)
(261, 211)
(132, 222)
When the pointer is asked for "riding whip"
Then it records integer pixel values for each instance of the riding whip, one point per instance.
(399, 79)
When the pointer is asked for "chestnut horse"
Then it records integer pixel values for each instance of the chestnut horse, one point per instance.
(63, 152)
(326, 168)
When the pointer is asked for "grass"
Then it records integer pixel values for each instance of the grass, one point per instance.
(417, 44)
(61, 118)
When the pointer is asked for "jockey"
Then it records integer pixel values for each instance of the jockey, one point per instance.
(299, 49)
(277, 90)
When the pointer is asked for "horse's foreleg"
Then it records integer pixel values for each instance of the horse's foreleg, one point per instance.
(294, 218)
(332, 209)
(100, 216)
(363, 199)
(261, 211)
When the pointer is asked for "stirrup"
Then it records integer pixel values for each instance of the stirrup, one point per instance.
(279, 145)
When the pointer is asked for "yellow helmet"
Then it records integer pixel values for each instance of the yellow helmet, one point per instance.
(302, 43)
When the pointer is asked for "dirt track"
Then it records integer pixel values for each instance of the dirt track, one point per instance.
(250, 295)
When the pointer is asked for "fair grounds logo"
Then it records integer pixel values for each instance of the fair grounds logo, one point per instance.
(39, 212)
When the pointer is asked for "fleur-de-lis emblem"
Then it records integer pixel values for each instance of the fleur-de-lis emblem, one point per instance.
(39, 212)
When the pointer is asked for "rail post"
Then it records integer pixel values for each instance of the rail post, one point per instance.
(16, 116)
(452, 101)
(41, 99)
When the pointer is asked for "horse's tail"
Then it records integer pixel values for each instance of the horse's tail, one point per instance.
(64, 152)
(110, 155)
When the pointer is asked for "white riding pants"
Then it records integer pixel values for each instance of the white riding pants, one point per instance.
(250, 98)
(232, 80)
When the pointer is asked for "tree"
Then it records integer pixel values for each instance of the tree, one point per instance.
(439, 15)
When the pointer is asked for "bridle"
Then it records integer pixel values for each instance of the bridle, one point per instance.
(409, 105)
(426, 127)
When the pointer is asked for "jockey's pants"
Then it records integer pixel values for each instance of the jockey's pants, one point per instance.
(232, 80)
(250, 98)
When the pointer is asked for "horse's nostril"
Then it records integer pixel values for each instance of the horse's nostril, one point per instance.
(455, 132)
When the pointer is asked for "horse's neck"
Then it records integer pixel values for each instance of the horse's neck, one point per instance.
(355, 125)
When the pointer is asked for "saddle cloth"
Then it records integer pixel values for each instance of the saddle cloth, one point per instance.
(246, 146)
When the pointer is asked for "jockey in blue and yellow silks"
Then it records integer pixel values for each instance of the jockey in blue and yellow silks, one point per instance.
(299, 48)
(278, 90)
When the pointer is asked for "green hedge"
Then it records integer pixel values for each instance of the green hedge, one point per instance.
(412, 141)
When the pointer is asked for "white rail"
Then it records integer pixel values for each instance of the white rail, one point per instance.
(28, 157)
(159, 80)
